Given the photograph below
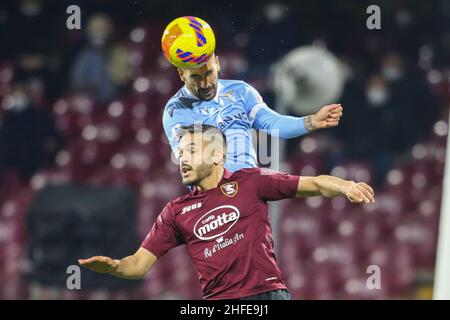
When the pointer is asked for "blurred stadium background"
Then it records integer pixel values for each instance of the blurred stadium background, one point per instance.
(85, 165)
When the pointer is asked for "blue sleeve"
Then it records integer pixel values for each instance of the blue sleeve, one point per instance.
(285, 127)
(265, 119)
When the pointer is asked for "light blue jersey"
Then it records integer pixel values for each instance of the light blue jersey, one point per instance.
(236, 109)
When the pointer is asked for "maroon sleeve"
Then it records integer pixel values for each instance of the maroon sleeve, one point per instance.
(275, 185)
(164, 235)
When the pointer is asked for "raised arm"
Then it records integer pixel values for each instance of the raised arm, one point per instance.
(287, 127)
(329, 186)
(135, 266)
(264, 118)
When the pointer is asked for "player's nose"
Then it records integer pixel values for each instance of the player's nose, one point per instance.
(183, 162)
(204, 84)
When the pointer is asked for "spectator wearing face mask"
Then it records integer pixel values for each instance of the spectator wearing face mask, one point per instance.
(414, 106)
(29, 33)
(365, 132)
(101, 68)
(380, 125)
(29, 138)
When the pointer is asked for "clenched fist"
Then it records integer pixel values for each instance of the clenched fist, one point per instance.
(326, 117)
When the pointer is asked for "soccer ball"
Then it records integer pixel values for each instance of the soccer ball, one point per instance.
(188, 42)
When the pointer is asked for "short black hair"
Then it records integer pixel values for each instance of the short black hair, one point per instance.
(203, 128)
(200, 127)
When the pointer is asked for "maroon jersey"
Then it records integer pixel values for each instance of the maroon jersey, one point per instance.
(227, 232)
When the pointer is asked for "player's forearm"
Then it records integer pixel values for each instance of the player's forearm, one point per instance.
(309, 123)
(129, 268)
(275, 124)
(329, 186)
(290, 127)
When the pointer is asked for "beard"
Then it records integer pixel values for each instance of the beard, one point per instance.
(207, 94)
(196, 175)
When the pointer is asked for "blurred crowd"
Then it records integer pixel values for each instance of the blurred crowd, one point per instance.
(388, 101)
(395, 97)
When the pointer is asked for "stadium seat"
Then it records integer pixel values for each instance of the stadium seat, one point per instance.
(417, 232)
(319, 282)
(354, 170)
(400, 268)
(305, 228)
(390, 208)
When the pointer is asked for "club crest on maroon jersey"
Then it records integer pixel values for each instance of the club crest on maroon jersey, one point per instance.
(229, 189)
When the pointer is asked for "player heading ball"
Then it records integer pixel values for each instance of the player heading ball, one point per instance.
(233, 106)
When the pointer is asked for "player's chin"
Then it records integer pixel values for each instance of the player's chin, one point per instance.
(207, 96)
(189, 180)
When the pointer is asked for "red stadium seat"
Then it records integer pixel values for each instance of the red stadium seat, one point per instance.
(339, 254)
(417, 233)
(305, 229)
(319, 282)
(389, 208)
(354, 170)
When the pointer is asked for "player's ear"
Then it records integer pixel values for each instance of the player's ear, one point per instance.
(181, 74)
(218, 156)
(218, 64)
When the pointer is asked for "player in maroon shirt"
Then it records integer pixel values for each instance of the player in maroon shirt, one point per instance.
(224, 221)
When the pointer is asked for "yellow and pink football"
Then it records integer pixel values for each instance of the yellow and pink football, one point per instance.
(188, 42)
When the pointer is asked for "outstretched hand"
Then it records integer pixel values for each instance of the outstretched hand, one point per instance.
(359, 192)
(99, 264)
